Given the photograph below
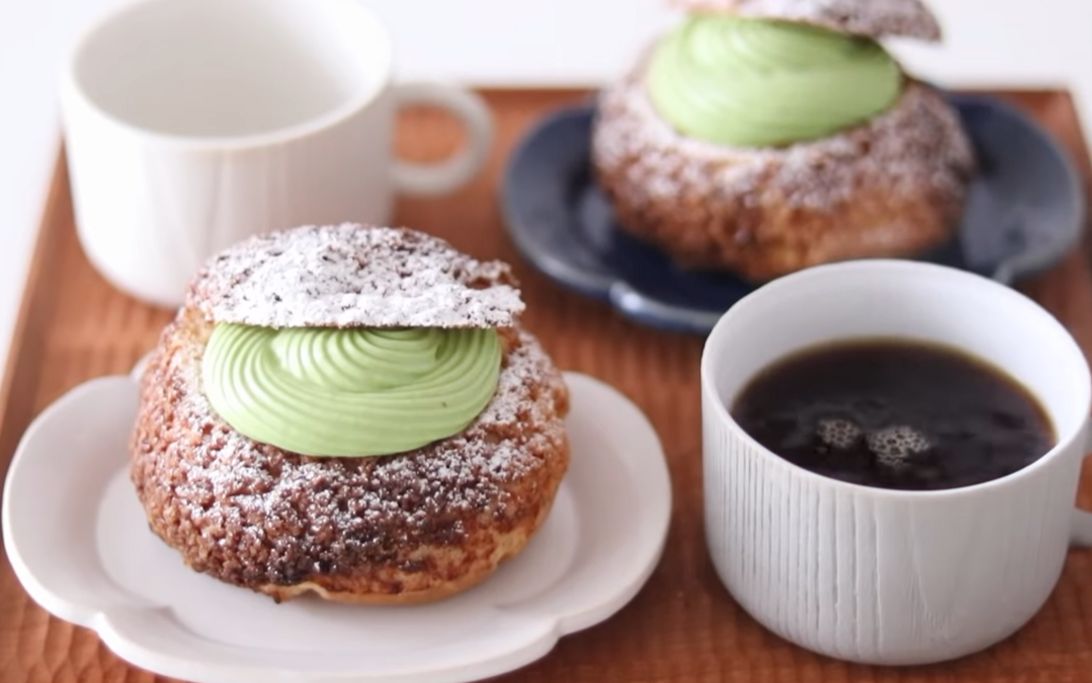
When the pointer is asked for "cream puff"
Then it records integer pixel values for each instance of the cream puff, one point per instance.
(765, 136)
(349, 411)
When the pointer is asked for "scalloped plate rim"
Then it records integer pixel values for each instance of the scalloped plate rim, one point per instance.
(638, 431)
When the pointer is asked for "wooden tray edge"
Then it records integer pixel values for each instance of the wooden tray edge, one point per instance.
(34, 309)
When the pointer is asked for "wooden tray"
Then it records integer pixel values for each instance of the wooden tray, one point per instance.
(683, 626)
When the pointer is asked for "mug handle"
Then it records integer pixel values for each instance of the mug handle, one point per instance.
(444, 176)
(1080, 533)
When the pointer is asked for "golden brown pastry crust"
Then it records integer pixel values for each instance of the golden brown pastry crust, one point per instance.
(404, 528)
(351, 275)
(893, 187)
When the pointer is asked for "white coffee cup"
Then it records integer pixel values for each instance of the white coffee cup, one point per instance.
(191, 124)
(889, 576)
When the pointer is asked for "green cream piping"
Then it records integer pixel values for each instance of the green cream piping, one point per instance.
(349, 392)
(760, 83)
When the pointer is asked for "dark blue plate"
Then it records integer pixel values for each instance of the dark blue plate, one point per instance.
(1025, 210)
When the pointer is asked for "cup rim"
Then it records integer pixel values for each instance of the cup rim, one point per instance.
(72, 91)
(799, 279)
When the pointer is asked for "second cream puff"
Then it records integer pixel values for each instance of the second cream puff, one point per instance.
(763, 141)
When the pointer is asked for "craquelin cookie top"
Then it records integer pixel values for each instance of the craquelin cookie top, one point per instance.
(872, 18)
(254, 514)
(350, 275)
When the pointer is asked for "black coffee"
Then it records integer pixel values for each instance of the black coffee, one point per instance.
(895, 414)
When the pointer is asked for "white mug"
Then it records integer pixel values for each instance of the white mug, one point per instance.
(889, 576)
(191, 124)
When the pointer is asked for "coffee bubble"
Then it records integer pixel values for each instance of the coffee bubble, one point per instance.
(838, 433)
(893, 446)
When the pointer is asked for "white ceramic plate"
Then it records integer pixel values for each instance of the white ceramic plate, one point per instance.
(77, 539)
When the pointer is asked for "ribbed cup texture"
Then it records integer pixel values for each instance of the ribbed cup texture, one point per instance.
(880, 576)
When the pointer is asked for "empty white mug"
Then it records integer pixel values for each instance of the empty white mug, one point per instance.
(191, 124)
(890, 576)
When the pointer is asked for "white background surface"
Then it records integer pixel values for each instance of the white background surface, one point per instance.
(501, 42)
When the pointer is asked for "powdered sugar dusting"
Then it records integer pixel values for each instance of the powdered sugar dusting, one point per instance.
(260, 515)
(893, 186)
(354, 276)
(917, 143)
(873, 18)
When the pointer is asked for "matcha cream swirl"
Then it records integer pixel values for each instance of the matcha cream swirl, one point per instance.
(349, 392)
(760, 83)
